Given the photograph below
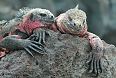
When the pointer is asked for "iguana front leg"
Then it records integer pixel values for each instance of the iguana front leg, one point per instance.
(94, 58)
(14, 43)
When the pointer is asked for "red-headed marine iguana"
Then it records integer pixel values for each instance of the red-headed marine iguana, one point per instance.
(16, 33)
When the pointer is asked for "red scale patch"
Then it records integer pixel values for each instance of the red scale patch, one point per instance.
(28, 26)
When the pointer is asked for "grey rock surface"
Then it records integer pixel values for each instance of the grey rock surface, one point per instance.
(65, 57)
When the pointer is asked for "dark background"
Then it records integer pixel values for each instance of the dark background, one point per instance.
(101, 14)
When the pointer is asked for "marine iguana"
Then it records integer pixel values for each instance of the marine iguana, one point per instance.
(16, 33)
(73, 22)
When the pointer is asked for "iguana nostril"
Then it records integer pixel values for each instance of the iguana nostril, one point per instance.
(79, 25)
(51, 16)
(42, 14)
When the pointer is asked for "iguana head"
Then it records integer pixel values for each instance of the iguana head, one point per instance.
(73, 20)
(36, 14)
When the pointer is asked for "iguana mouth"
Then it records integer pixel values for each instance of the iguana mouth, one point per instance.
(47, 21)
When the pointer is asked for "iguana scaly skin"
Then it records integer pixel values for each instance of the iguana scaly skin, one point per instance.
(73, 22)
(16, 33)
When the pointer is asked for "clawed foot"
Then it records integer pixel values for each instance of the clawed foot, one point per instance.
(37, 39)
(95, 64)
(39, 35)
(33, 45)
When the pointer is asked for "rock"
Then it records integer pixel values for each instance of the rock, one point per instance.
(65, 57)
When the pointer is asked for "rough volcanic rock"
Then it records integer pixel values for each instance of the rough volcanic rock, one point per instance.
(65, 57)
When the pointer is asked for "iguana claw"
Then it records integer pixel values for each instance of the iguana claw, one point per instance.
(39, 35)
(94, 62)
(35, 46)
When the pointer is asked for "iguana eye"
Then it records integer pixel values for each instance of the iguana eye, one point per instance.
(79, 25)
(31, 17)
(83, 21)
(42, 14)
(74, 24)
